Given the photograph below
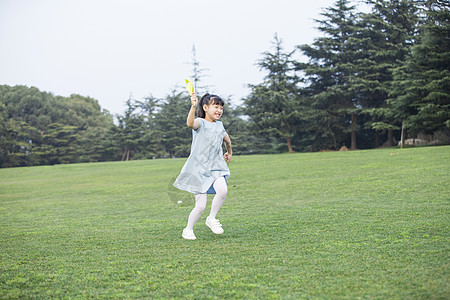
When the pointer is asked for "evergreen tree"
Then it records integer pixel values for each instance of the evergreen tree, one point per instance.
(198, 73)
(421, 94)
(151, 146)
(386, 35)
(329, 73)
(59, 145)
(129, 131)
(176, 137)
(273, 105)
(243, 140)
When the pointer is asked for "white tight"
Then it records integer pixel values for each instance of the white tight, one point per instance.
(220, 185)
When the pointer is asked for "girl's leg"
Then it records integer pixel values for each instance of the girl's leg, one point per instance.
(200, 205)
(220, 185)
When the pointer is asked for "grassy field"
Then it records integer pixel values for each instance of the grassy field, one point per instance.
(337, 225)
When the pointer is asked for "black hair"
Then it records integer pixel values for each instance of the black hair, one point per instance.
(208, 99)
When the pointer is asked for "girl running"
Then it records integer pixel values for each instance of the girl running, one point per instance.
(205, 171)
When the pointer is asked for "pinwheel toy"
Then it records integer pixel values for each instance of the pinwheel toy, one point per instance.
(190, 87)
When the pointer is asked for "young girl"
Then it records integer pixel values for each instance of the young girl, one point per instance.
(205, 171)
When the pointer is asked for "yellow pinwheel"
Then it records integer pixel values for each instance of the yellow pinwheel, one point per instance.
(190, 87)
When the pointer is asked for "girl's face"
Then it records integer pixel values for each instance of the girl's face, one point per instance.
(213, 112)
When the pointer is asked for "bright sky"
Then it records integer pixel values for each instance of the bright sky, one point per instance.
(111, 49)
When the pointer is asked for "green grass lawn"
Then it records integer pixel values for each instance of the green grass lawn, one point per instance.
(363, 224)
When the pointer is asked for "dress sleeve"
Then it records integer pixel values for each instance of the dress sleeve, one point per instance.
(224, 132)
(200, 124)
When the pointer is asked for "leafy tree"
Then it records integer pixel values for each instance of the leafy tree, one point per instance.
(92, 124)
(273, 105)
(6, 136)
(22, 123)
(34, 124)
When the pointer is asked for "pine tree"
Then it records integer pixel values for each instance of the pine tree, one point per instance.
(329, 72)
(273, 105)
(176, 137)
(422, 86)
(386, 35)
(198, 73)
(129, 131)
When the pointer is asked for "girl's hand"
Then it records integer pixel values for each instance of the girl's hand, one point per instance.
(227, 156)
(194, 100)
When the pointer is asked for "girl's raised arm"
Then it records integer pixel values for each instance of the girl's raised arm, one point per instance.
(191, 121)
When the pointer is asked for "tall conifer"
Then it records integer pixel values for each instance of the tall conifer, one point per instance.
(273, 105)
(421, 93)
(386, 35)
(328, 72)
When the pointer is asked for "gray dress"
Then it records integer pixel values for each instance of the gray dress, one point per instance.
(205, 163)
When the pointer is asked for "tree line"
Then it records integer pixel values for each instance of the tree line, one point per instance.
(370, 79)
(38, 128)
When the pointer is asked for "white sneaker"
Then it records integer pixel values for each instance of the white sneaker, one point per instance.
(215, 225)
(188, 234)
